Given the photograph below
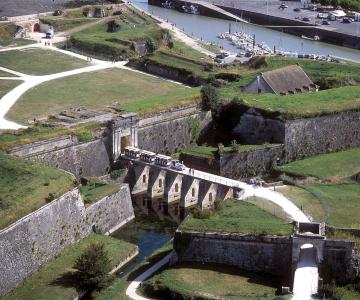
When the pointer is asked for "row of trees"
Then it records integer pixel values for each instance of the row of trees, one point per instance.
(346, 4)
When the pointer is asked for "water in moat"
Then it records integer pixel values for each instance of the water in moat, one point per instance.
(148, 232)
(209, 28)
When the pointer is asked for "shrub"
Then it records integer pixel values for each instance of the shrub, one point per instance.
(199, 213)
(93, 267)
(218, 204)
(116, 173)
(257, 62)
(85, 135)
(50, 197)
(151, 45)
(210, 98)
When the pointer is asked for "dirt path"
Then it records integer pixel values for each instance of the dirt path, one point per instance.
(179, 34)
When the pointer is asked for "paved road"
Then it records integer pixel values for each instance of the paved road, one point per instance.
(306, 274)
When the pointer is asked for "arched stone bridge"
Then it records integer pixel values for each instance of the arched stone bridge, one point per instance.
(178, 191)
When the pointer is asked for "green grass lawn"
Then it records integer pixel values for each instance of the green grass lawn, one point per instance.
(210, 281)
(6, 74)
(96, 189)
(332, 166)
(35, 61)
(7, 32)
(7, 85)
(302, 198)
(43, 284)
(64, 24)
(25, 185)
(10, 139)
(302, 105)
(341, 200)
(239, 216)
(114, 87)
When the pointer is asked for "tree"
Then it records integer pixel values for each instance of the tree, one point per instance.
(93, 267)
(210, 97)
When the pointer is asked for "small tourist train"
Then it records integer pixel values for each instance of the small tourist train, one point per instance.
(151, 157)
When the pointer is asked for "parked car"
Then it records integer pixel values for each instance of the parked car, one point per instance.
(325, 22)
(306, 19)
(297, 9)
(177, 165)
(347, 20)
(283, 6)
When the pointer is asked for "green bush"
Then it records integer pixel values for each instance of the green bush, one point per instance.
(116, 173)
(199, 213)
(210, 98)
(93, 267)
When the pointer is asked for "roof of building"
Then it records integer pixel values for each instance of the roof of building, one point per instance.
(289, 80)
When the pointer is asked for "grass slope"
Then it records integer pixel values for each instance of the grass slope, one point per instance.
(24, 185)
(239, 216)
(114, 87)
(337, 165)
(342, 201)
(192, 280)
(10, 139)
(7, 85)
(305, 200)
(46, 282)
(96, 189)
(35, 61)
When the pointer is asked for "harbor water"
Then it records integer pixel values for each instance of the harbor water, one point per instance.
(208, 29)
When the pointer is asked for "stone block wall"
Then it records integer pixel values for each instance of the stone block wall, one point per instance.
(341, 261)
(247, 164)
(39, 237)
(42, 235)
(271, 255)
(111, 212)
(170, 132)
(323, 134)
(85, 159)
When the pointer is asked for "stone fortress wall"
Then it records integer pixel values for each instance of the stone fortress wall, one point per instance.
(273, 255)
(166, 132)
(323, 134)
(264, 254)
(42, 235)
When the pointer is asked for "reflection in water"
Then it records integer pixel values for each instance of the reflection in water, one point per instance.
(208, 29)
(148, 232)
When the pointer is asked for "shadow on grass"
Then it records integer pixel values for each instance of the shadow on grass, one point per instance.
(67, 280)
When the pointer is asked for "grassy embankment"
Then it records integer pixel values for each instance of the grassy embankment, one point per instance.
(7, 32)
(26, 186)
(328, 194)
(69, 20)
(121, 89)
(241, 217)
(7, 85)
(10, 139)
(195, 280)
(333, 77)
(35, 61)
(49, 282)
(96, 189)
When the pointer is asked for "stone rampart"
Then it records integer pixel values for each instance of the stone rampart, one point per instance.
(237, 165)
(341, 261)
(265, 254)
(111, 212)
(170, 132)
(84, 159)
(42, 235)
(252, 163)
(323, 134)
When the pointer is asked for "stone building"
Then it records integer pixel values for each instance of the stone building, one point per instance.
(288, 80)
